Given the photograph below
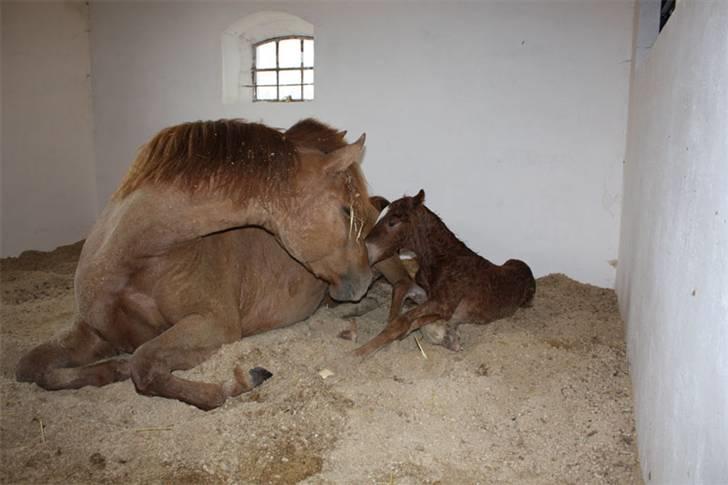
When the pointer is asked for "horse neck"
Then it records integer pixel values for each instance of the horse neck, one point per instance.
(154, 220)
(433, 242)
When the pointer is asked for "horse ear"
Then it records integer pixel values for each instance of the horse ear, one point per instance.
(418, 199)
(339, 160)
(378, 202)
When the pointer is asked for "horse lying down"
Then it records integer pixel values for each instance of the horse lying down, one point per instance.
(196, 249)
(461, 286)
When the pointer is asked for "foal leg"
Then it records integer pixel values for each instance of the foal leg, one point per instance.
(183, 346)
(403, 290)
(426, 313)
(442, 334)
(71, 361)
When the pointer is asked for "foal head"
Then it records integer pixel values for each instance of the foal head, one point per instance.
(394, 229)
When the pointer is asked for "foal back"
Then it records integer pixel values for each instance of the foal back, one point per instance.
(492, 291)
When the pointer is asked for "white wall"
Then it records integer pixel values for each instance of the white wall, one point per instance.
(512, 115)
(48, 182)
(673, 259)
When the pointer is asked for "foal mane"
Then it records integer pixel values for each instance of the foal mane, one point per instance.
(230, 156)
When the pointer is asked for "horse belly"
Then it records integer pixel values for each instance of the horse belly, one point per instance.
(275, 289)
(280, 308)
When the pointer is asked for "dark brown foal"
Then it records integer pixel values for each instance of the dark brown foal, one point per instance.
(461, 286)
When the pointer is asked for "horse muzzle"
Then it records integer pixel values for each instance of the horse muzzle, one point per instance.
(351, 287)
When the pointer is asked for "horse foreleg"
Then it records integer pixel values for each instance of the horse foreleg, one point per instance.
(426, 313)
(183, 346)
(63, 363)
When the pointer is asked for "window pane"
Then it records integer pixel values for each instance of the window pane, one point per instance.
(268, 93)
(293, 91)
(266, 77)
(289, 53)
(265, 56)
(308, 53)
(308, 92)
(308, 76)
(290, 77)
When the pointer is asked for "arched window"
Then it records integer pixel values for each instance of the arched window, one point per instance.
(240, 44)
(283, 69)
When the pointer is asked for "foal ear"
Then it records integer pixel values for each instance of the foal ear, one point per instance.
(418, 199)
(339, 160)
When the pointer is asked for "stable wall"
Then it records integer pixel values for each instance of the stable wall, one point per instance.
(48, 182)
(511, 115)
(673, 259)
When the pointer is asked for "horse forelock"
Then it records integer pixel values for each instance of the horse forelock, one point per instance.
(232, 157)
(311, 133)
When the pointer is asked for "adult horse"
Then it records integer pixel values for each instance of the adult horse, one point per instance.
(163, 277)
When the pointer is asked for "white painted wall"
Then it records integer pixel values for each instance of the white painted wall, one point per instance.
(673, 259)
(512, 115)
(48, 182)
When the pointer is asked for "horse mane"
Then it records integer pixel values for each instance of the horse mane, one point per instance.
(230, 156)
(236, 158)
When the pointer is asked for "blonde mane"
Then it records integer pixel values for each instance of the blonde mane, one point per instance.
(229, 156)
(235, 158)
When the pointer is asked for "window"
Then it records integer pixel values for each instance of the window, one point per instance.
(238, 51)
(283, 69)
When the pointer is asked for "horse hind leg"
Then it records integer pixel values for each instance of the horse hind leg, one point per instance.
(183, 346)
(72, 361)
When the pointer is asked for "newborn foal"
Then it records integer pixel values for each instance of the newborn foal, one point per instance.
(461, 286)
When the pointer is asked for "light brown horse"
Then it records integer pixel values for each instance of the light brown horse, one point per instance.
(461, 286)
(162, 275)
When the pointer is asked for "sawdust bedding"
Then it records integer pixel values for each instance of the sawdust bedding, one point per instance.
(541, 397)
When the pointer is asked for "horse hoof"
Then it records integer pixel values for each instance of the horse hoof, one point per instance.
(258, 375)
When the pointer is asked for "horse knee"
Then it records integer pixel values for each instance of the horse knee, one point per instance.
(33, 365)
(416, 293)
(143, 373)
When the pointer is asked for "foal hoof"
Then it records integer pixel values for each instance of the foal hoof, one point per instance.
(258, 375)
(443, 335)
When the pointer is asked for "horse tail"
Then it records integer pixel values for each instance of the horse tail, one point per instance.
(69, 361)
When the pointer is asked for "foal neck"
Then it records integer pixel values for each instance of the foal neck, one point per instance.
(432, 241)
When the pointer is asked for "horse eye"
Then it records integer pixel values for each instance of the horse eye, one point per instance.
(347, 211)
(393, 222)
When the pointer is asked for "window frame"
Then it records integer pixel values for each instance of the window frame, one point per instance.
(254, 70)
